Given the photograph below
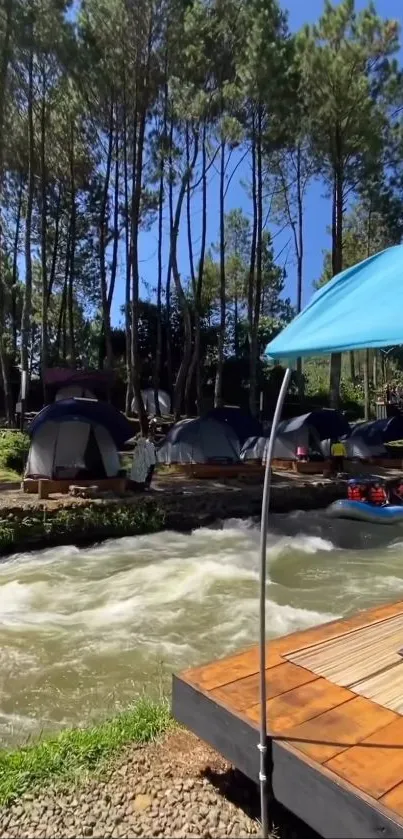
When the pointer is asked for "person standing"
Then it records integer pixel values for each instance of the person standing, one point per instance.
(337, 454)
(143, 465)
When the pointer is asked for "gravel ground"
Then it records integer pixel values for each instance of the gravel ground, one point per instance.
(176, 788)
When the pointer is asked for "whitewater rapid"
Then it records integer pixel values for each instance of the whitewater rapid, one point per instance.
(83, 632)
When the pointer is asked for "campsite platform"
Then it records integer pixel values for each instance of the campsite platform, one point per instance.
(335, 715)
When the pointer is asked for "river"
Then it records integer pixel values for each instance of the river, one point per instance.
(84, 631)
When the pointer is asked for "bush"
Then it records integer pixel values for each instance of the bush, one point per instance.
(14, 447)
(81, 522)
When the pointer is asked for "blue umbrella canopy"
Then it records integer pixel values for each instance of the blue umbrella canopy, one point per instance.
(85, 410)
(359, 308)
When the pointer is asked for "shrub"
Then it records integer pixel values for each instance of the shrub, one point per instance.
(81, 522)
(14, 446)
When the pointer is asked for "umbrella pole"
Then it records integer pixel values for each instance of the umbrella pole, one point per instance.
(264, 763)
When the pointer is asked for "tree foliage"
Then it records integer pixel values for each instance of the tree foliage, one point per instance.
(123, 123)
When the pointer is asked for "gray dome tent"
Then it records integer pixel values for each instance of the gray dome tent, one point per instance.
(201, 440)
(314, 430)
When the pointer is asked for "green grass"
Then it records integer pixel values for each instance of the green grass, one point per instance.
(75, 753)
(8, 475)
(14, 446)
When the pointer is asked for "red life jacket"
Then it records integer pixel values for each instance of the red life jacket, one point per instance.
(356, 492)
(377, 495)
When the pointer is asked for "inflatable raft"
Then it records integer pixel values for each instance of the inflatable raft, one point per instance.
(362, 511)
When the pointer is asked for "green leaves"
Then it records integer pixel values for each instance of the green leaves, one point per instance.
(344, 66)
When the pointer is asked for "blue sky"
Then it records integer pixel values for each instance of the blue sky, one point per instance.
(317, 210)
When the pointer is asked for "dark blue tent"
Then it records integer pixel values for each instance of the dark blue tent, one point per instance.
(379, 431)
(244, 424)
(327, 423)
(86, 410)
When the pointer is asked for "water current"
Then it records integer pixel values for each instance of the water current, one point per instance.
(85, 631)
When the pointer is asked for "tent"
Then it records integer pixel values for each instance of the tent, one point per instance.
(313, 431)
(285, 445)
(254, 448)
(201, 440)
(243, 423)
(148, 396)
(89, 410)
(76, 438)
(367, 439)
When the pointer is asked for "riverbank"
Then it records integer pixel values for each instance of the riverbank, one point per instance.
(175, 786)
(174, 503)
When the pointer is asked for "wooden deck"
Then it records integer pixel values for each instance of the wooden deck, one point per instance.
(335, 713)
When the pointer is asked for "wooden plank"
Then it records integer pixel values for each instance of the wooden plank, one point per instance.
(303, 703)
(291, 644)
(376, 765)
(224, 671)
(246, 663)
(394, 799)
(356, 656)
(334, 809)
(325, 803)
(243, 693)
(386, 688)
(334, 731)
(61, 485)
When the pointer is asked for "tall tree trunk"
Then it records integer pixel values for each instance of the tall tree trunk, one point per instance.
(236, 323)
(252, 262)
(218, 389)
(258, 290)
(136, 208)
(375, 370)
(4, 66)
(55, 249)
(61, 340)
(115, 245)
(27, 302)
(16, 243)
(128, 342)
(366, 385)
(183, 302)
(337, 262)
(367, 367)
(300, 261)
(103, 222)
(168, 336)
(352, 365)
(158, 348)
(189, 372)
(44, 266)
(195, 364)
(73, 233)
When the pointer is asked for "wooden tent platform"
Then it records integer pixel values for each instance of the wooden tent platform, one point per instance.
(335, 713)
(50, 486)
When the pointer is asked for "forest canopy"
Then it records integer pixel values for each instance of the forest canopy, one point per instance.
(121, 119)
